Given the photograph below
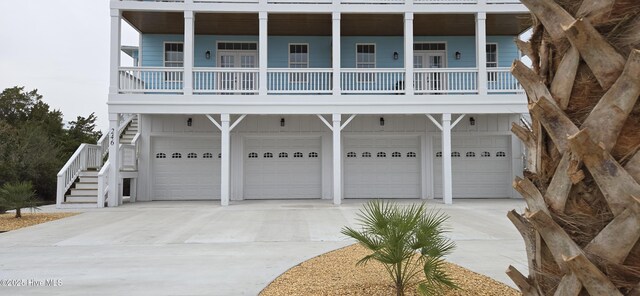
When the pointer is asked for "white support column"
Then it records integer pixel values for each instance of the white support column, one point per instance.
(262, 50)
(447, 183)
(481, 51)
(225, 159)
(188, 53)
(408, 52)
(337, 160)
(335, 51)
(114, 160)
(114, 49)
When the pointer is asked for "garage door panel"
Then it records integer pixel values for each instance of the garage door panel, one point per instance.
(381, 177)
(474, 173)
(282, 177)
(186, 178)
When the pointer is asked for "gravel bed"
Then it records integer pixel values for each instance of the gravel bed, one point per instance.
(335, 273)
(8, 221)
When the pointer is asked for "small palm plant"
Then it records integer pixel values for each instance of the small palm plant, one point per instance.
(407, 241)
(15, 196)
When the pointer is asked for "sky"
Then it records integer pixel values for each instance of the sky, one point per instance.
(60, 48)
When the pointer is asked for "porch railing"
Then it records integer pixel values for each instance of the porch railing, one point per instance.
(299, 80)
(372, 80)
(225, 80)
(150, 79)
(445, 81)
(500, 80)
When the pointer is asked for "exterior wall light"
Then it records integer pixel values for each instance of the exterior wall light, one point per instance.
(381, 121)
(281, 121)
(458, 55)
(207, 55)
(189, 121)
(395, 55)
(472, 121)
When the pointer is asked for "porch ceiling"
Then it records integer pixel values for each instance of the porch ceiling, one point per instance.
(320, 24)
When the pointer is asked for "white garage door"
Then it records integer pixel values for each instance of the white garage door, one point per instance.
(281, 168)
(186, 168)
(382, 167)
(481, 166)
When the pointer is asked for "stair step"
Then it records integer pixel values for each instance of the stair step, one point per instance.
(89, 173)
(81, 191)
(89, 179)
(81, 198)
(87, 185)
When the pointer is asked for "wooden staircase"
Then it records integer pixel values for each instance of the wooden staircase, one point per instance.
(84, 191)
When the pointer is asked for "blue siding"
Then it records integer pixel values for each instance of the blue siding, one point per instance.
(320, 49)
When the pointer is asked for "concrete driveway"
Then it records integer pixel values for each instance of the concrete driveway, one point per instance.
(200, 248)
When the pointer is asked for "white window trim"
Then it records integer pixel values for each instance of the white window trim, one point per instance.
(164, 61)
(298, 77)
(367, 77)
(445, 62)
(219, 52)
(375, 54)
(491, 77)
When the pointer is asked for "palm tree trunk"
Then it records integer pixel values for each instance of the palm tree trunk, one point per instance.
(582, 225)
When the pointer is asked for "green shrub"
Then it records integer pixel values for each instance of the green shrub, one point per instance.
(15, 196)
(408, 241)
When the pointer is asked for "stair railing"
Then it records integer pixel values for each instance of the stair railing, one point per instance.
(103, 184)
(85, 157)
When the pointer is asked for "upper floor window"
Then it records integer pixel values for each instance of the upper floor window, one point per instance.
(173, 57)
(298, 58)
(365, 58)
(365, 55)
(173, 54)
(492, 59)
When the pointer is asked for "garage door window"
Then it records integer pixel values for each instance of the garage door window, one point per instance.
(268, 155)
(485, 154)
(298, 155)
(396, 154)
(471, 154)
(351, 155)
(366, 154)
(161, 155)
(438, 154)
(192, 155)
(411, 154)
(253, 155)
(207, 155)
(219, 155)
(381, 154)
(283, 155)
(176, 155)
(455, 154)
(313, 154)
(501, 154)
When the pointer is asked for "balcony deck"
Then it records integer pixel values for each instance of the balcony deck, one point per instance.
(364, 2)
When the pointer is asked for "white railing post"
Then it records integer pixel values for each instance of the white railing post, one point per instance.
(335, 52)
(225, 142)
(114, 51)
(187, 84)
(481, 50)
(103, 183)
(262, 51)
(60, 191)
(337, 160)
(447, 183)
(408, 53)
(114, 170)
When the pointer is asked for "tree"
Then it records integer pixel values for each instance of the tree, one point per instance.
(408, 241)
(582, 225)
(34, 144)
(15, 196)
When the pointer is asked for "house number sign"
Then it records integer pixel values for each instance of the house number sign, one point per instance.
(111, 137)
